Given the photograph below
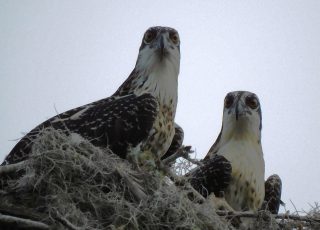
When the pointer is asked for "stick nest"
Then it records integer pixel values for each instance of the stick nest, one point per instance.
(67, 183)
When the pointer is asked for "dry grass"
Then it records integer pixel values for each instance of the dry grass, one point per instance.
(68, 181)
(70, 184)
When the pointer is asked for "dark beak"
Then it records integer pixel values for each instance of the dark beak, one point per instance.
(161, 47)
(161, 43)
(237, 111)
(240, 110)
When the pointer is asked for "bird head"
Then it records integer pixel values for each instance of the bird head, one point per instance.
(242, 113)
(157, 67)
(160, 47)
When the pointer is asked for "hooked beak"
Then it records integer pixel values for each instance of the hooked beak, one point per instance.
(161, 47)
(239, 110)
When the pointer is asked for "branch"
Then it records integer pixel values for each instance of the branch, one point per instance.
(295, 217)
(277, 216)
(193, 161)
(182, 152)
(19, 211)
(18, 222)
(6, 169)
(135, 188)
(66, 223)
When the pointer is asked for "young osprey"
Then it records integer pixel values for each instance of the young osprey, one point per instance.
(234, 165)
(138, 119)
(237, 154)
(272, 198)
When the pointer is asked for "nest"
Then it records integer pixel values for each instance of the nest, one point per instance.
(67, 183)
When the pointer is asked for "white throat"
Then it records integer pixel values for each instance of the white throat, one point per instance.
(240, 139)
(242, 129)
(161, 81)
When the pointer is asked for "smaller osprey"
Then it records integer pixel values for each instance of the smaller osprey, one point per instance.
(234, 165)
(272, 198)
(137, 121)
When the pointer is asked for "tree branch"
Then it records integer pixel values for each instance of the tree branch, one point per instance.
(66, 222)
(6, 169)
(277, 216)
(18, 222)
(182, 152)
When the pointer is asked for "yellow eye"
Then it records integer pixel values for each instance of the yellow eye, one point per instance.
(174, 38)
(228, 101)
(149, 36)
(252, 102)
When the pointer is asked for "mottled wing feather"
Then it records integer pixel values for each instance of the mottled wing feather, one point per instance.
(213, 177)
(118, 123)
(22, 149)
(176, 142)
(272, 199)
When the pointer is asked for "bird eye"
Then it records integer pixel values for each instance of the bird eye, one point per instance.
(252, 102)
(228, 101)
(174, 38)
(149, 36)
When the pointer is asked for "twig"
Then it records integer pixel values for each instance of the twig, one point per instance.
(295, 208)
(295, 217)
(135, 188)
(277, 216)
(66, 222)
(6, 169)
(18, 222)
(20, 211)
(193, 161)
(182, 152)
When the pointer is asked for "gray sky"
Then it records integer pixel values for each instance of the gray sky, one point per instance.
(63, 54)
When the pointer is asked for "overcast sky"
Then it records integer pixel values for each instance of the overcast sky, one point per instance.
(57, 55)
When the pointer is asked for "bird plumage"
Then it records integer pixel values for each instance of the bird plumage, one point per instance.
(240, 143)
(213, 176)
(272, 199)
(176, 143)
(139, 116)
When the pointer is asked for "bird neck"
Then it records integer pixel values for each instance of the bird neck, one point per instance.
(240, 131)
(161, 81)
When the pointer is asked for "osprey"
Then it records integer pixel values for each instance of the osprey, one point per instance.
(137, 121)
(272, 198)
(240, 143)
(234, 164)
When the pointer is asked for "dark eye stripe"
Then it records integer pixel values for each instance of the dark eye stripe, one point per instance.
(228, 101)
(174, 37)
(150, 36)
(252, 101)
(159, 29)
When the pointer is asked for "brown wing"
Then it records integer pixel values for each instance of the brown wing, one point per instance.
(114, 122)
(213, 177)
(272, 199)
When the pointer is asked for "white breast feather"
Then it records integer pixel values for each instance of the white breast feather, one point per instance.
(246, 157)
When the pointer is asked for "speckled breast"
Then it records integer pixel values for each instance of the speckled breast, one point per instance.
(244, 192)
(162, 133)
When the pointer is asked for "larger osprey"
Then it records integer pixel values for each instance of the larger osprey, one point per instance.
(138, 119)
